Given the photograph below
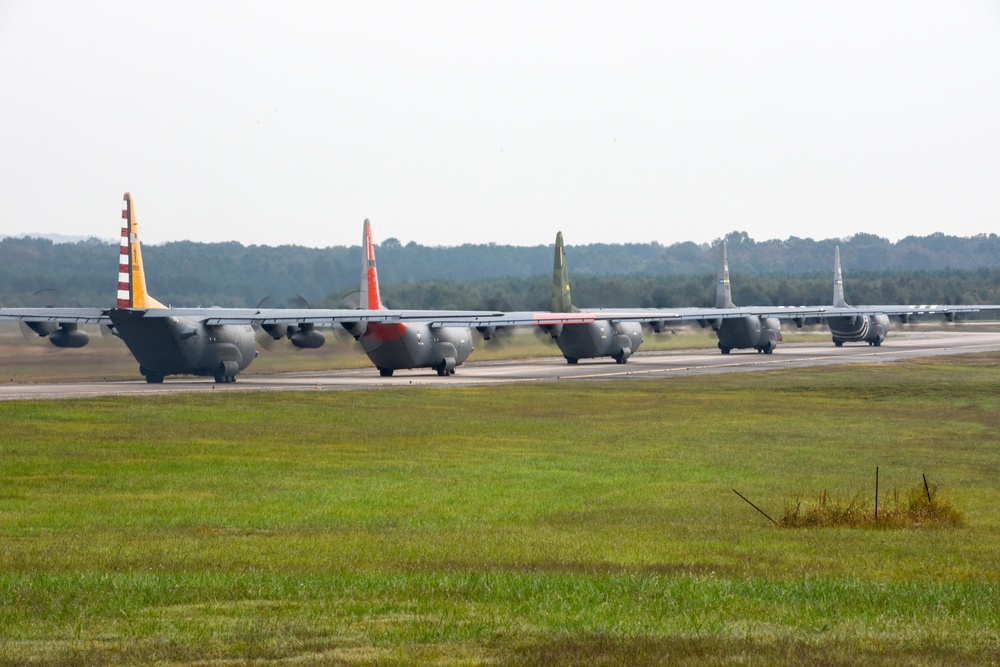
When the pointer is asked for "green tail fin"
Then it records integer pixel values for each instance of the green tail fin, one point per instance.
(561, 301)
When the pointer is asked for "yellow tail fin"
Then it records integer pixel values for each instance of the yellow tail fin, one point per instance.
(131, 277)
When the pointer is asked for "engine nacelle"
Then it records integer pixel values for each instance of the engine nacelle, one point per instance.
(277, 331)
(69, 335)
(356, 328)
(307, 337)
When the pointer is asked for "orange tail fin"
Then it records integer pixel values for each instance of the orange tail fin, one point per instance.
(370, 297)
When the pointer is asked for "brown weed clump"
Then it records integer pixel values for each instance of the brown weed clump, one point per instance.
(917, 508)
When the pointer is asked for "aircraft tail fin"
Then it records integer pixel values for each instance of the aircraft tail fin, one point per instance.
(838, 281)
(131, 276)
(723, 293)
(561, 301)
(370, 297)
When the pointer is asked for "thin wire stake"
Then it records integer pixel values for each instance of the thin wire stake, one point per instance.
(755, 507)
(876, 494)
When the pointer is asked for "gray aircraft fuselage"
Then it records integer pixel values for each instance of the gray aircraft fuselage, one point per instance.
(397, 346)
(599, 339)
(760, 333)
(868, 328)
(184, 346)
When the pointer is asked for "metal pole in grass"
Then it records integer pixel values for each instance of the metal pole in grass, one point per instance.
(927, 489)
(876, 494)
(755, 507)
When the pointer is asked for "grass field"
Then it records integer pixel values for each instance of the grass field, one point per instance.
(548, 524)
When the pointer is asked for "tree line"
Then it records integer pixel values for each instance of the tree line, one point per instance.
(931, 269)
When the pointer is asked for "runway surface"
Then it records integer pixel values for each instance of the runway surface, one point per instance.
(675, 363)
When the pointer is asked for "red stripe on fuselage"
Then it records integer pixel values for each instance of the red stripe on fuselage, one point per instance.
(384, 332)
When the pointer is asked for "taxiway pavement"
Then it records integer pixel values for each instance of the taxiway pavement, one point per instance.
(674, 363)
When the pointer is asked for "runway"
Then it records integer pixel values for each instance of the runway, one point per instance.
(671, 364)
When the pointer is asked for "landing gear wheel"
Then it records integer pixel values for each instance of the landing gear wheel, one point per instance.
(153, 378)
(571, 360)
(621, 359)
(838, 342)
(724, 349)
(442, 371)
(385, 372)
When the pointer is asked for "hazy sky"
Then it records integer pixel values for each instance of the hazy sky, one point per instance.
(471, 122)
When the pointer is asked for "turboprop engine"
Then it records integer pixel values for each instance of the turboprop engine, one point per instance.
(306, 336)
(64, 335)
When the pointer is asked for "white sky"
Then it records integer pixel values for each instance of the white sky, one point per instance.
(470, 122)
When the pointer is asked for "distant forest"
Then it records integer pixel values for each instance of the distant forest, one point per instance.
(933, 269)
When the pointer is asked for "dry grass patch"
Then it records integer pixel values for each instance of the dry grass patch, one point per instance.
(919, 507)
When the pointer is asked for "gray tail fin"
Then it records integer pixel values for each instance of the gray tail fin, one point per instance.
(723, 294)
(838, 281)
(561, 301)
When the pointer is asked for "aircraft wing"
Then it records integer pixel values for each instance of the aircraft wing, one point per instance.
(320, 316)
(648, 315)
(703, 314)
(56, 315)
(903, 310)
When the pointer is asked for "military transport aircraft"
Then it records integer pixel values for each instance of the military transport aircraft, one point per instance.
(397, 345)
(870, 324)
(760, 332)
(220, 342)
(618, 333)
(615, 338)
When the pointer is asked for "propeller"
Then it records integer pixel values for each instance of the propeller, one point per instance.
(43, 298)
(301, 336)
(350, 301)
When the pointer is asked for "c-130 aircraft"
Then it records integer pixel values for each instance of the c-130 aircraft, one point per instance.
(220, 342)
(618, 333)
(749, 327)
(870, 324)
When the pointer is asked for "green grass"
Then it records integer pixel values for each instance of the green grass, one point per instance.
(562, 523)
